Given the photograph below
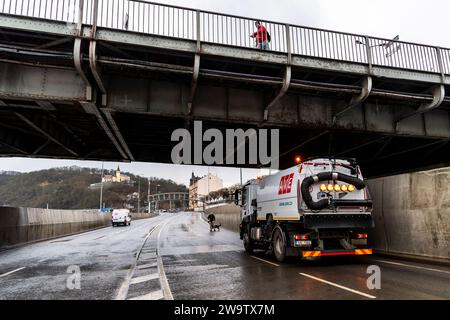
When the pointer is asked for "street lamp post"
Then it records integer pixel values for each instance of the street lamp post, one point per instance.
(139, 195)
(101, 188)
(157, 201)
(148, 195)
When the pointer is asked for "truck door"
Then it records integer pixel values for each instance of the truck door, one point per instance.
(245, 208)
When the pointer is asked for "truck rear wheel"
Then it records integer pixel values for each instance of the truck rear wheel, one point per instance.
(248, 244)
(279, 246)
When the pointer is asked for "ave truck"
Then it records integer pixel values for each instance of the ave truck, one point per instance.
(321, 207)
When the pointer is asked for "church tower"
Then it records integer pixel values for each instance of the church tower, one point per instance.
(118, 178)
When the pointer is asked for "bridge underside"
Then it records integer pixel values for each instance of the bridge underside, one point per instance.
(129, 92)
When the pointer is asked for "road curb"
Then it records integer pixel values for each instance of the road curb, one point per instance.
(413, 258)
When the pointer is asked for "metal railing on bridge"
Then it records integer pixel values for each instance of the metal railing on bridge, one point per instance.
(230, 30)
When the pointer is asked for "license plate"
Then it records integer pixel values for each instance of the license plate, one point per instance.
(299, 243)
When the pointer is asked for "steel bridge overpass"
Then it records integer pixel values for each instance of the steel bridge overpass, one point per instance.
(170, 197)
(111, 80)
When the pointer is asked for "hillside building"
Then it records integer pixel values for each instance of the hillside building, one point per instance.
(200, 187)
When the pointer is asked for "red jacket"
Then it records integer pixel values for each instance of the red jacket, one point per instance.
(261, 34)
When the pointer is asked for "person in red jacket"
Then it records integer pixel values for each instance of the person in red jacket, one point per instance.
(261, 35)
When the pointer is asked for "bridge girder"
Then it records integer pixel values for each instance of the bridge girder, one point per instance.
(137, 87)
(50, 131)
(13, 141)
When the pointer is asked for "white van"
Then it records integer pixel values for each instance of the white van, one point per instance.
(121, 217)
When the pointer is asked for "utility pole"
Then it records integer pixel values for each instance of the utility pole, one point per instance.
(101, 188)
(240, 169)
(139, 195)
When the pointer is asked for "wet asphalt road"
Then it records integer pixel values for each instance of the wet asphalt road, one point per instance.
(194, 263)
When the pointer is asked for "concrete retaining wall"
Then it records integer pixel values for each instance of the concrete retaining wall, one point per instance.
(412, 214)
(23, 225)
(227, 215)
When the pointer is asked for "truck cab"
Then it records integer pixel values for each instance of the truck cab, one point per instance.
(121, 217)
(321, 207)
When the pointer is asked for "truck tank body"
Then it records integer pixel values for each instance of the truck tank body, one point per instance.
(280, 195)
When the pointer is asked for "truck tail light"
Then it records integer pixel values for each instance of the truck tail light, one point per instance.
(351, 188)
(337, 188)
(301, 237)
(330, 187)
(323, 187)
(361, 236)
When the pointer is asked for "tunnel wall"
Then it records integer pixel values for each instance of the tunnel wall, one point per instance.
(412, 214)
(227, 215)
(24, 225)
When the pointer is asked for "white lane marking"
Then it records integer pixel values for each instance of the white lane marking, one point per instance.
(123, 290)
(338, 286)
(413, 266)
(10, 272)
(274, 264)
(144, 278)
(201, 249)
(162, 274)
(146, 266)
(147, 256)
(155, 295)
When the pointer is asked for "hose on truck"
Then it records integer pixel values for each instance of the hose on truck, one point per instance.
(325, 176)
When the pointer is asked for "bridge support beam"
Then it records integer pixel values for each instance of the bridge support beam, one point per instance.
(42, 146)
(284, 89)
(12, 141)
(49, 131)
(115, 128)
(357, 100)
(91, 108)
(438, 97)
(48, 85)
(401, 152)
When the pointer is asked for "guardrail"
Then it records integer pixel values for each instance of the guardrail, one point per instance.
(204, 26)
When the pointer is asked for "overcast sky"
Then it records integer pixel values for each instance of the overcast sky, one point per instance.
(419, 21)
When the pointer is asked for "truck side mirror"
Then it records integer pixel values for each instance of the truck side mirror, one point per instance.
(237, 200)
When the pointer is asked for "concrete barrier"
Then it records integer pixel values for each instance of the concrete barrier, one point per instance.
(412, 214)
(24, 225)
(227, 215)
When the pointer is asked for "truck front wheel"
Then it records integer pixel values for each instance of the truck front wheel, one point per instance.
(279, 246)
(248, 245)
